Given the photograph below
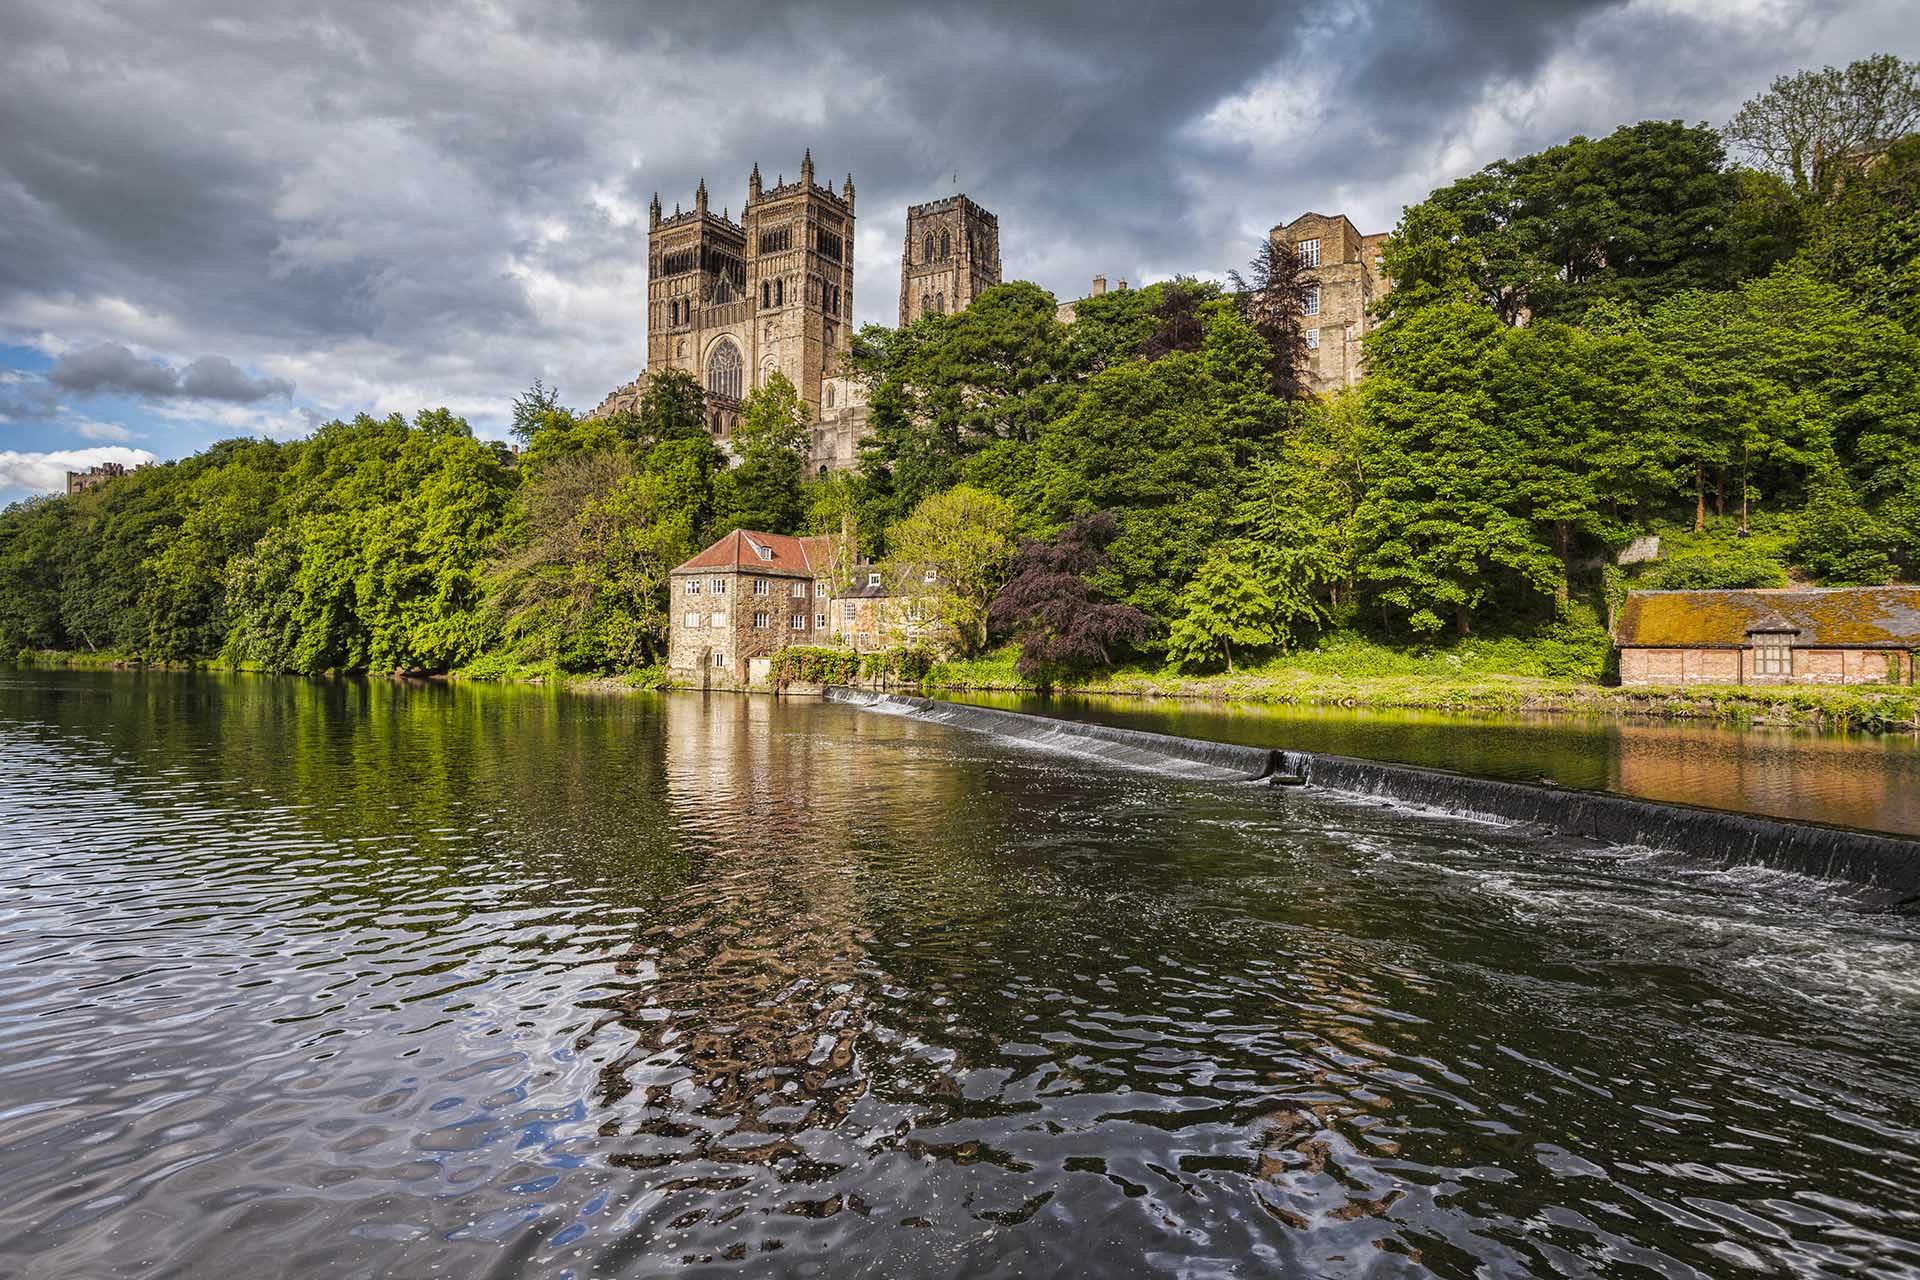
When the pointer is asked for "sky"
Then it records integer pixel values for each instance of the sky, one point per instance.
(245, 219)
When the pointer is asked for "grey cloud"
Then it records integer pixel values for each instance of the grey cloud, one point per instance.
(433, 204)
(112, 369)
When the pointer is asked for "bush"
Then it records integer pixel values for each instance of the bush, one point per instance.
(802, 664)
(1716, 565)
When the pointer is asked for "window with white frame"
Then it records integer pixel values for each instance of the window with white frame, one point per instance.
(761, 620)
(1309, 251)
(1773, 653)
(719, 586)
(719, 658)
(930, 577)
(719, 619)
(799, 591)
(693, 586)
(799, 622)
(873, 579)
(760, 587)
(1313, 339)
(1312, 304)
(848, 612)
(693, 618)
(819, 622)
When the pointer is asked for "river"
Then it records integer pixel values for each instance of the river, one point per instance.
(371, 979)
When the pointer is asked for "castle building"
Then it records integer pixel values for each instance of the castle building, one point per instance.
(951, 257)
(732, 302)
(92, 477)
(1351, 277)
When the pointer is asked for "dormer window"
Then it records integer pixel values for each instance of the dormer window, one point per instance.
(929, 577)
(765, 553)
(873, 579)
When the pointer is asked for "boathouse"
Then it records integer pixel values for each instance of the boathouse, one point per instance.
(1834, 635)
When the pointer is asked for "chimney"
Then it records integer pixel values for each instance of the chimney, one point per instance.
(1123, 286)
(1099, 286)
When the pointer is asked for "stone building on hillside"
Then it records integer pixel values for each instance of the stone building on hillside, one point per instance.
(1838, 635)
(1351, 277)
(951, 256)
(92, 477)
(740, 601)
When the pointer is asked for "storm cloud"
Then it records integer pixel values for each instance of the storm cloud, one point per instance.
(395, 206)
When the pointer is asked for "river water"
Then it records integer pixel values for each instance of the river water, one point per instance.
(365, 979)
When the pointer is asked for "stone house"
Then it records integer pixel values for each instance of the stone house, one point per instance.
(1837, 635)
(1350, 278)
(93, 477)
(740, 601)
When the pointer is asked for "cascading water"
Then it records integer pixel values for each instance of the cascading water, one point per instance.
(1886, 867)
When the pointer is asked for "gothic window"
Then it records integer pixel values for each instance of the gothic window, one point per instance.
(829, 397)
(946, 246)
(926, 304)
(723, 370)
(779, 293)
(680, 349)
(766, 294)
(940, 303)
(721, 292)
(928, 256)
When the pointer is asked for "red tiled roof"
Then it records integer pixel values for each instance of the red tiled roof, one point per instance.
(791, 557)
(1850, 617)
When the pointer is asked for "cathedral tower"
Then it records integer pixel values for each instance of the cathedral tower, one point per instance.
(731, 302)
(951, 257)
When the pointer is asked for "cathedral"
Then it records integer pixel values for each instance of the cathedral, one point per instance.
(732, 302)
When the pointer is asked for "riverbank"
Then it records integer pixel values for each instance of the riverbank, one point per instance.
(1869, 707)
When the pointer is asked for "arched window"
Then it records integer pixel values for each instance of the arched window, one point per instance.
(779, 293)
(766, 294)
(928, 256)
(723, 370)
(823, 476)
(946, 246)
(680, 350)
(926, 304)
(829, 396)
(940, 303)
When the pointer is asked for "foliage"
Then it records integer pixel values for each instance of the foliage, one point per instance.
(772, 443)
(1817, 127)
(951, 556)
(1273, 296)
(805, 664)
(1051, 606)
(531, 408)
(672, 406)
(1632, 217)
(1867, 238)
(1226, 604)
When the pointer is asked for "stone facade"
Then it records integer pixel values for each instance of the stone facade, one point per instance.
(1351, 278)
(733, 302)
(951, 256)
(1842, 635)
(81, 481)
(740, 601)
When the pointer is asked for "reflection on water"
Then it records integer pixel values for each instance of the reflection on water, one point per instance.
(1865, 780)
(370, 979)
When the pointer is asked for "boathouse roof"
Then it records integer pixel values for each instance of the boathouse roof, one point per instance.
(751, 551)
(1830, 617)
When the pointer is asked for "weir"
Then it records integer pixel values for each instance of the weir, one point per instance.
(1887, 866)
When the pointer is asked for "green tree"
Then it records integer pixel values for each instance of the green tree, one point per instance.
(951, 556)
(1816, 127)
(532, 407)
(672, 407)
(772, 440)
(1226, 604)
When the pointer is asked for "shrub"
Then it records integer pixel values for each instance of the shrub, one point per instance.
(802, 664)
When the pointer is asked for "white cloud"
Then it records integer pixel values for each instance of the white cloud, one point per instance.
(47, 472)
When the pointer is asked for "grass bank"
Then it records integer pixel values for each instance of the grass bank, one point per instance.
(1352, 672)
